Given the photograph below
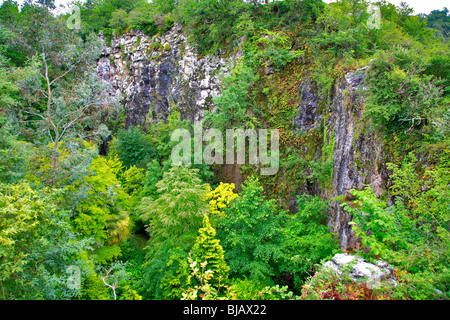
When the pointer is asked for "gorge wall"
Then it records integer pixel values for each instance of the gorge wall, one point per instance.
(156, 74)
(357, 152)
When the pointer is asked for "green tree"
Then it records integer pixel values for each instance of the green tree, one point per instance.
(205, 289)
(14, 155)
(103, 211)
(178, 210)
(152, 17)
(207, 248)
(160, 134)
(417, 28)
(233, 105)
(97, 14)
(210, 23)
(153, 175)
(9, 11)
(75, 157)
(401, 96)
(133, 179)
(93, 288)
(307, 239)
(412, 234)
(440, 20)
(37, 244)
(165, 270)
(62, 95)
(119, 20)
(251, 234)
(133, 148)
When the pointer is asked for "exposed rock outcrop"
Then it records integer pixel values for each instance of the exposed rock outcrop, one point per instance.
(358, 155)
(358, 268)
(309, 116)
(154, 74)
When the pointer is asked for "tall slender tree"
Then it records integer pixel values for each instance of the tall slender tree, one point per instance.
(62, 94)
(207, 248)
(178, 210)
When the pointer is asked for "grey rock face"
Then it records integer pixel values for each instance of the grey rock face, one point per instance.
(157, 74)
(359, 269)
(357, 155)
(309, 115)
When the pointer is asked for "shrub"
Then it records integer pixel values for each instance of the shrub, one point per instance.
(132, 147)
(307, 239)
(413, 234)
(119, 20)
(207, 248)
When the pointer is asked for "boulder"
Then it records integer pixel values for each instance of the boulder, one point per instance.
(359, 269)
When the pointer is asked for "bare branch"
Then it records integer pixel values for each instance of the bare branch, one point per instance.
(114, 286)
(35, 114)
(61, 76)
(42, 92)
(80, 109)
(70, 69)
(412, 122)
(51, 137)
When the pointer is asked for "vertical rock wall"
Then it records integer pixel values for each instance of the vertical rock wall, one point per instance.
(154, 74)
(357, 155)
(357, 152)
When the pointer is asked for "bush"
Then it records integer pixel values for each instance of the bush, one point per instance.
(414, 233)
(132, 147)
(165, 272)
(232, 106)
(119, 20)
(251, 235)
(102, 213)
(307, 238)
(13, 155)
(178, 209)
(403, 99)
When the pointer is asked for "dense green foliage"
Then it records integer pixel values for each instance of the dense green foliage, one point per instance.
(131, 225)
(407, 91)
(38, 243)
(439, 20)
(132, 147)
(307, 239)
(413, 233)
(177, 211)
(208, 248)
(251, 235)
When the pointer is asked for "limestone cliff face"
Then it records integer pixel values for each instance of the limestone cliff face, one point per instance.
(357, 155)
(156, 74)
